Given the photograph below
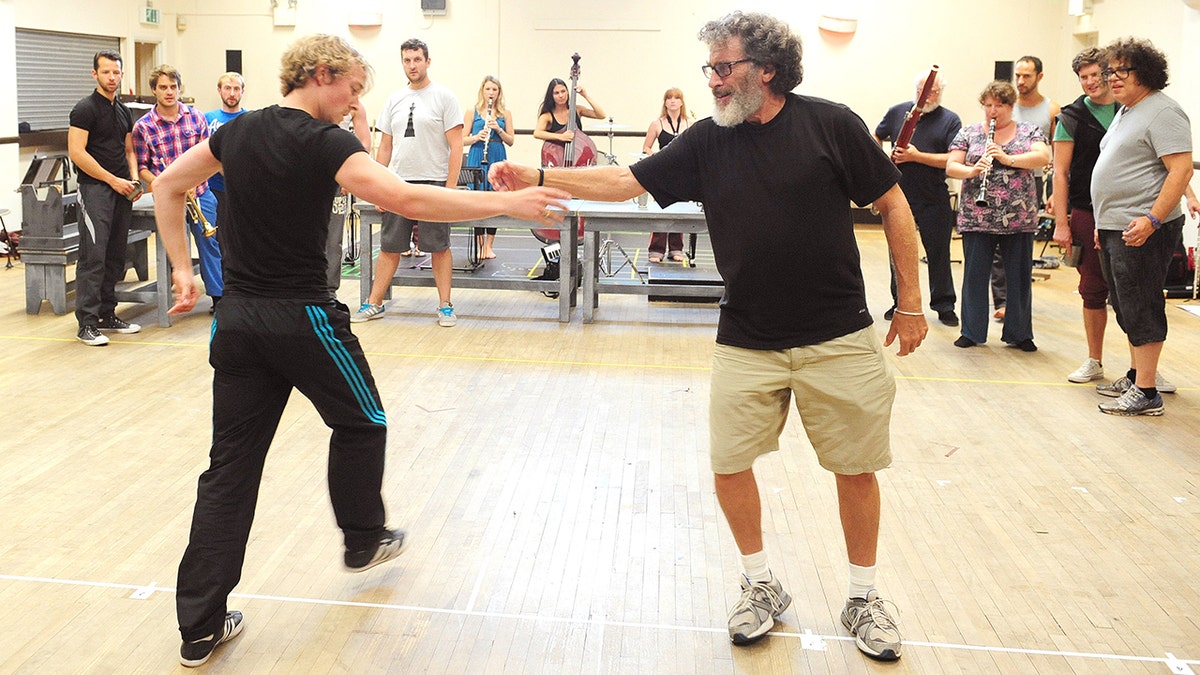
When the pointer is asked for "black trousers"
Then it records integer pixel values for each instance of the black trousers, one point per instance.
(260, 350)
(935, 223)
(103, 239)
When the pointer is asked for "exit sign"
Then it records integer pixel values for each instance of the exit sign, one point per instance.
(150, 15)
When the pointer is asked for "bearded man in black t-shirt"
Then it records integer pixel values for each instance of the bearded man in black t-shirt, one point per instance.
(100, 144)
(279, 326)
(776, 173)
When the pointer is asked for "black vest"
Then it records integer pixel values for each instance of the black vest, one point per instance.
(1087, 132)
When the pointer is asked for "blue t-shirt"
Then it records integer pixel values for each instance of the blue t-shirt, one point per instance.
(215, 119)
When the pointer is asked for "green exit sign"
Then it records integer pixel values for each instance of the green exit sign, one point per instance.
(150, 15)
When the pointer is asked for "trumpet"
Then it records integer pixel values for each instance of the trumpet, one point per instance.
(197, 216)
(981, 198)
(487, 126)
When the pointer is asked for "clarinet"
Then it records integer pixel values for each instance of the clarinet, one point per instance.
(487, 127)
(981, 198)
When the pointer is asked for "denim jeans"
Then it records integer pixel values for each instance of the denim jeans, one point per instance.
(1017, 252)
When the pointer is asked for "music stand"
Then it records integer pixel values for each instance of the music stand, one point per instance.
(350, 251)
(604, 259)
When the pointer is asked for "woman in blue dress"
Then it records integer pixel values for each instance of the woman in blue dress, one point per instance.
(488, 126)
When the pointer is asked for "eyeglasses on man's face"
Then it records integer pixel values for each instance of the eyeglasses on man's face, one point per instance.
(723, 69)
(1122, 72)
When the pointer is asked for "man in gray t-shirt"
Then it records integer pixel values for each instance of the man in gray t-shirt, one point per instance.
(1143, 170)
(421, 141)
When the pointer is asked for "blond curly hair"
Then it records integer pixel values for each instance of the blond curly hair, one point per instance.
(299, 63)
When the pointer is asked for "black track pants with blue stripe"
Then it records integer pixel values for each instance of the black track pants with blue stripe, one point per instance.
(261, 349)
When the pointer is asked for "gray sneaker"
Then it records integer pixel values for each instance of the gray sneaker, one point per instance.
(870, 622)
(367, 312)
(1119, 386)
(1115, 388)
(1133, 402)
(755, 612)
(446, 317)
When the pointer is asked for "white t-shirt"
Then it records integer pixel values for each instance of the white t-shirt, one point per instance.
(417, 120)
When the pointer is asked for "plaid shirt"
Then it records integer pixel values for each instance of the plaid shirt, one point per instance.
(158, 142)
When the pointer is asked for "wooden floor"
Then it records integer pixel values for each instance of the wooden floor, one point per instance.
(554, 481)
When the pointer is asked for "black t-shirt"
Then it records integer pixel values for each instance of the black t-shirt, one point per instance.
(107, 123)
(279, 166)
(777, 200)
(934, 133)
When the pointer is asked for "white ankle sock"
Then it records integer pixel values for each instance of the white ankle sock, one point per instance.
(862, 580)
(755, 566)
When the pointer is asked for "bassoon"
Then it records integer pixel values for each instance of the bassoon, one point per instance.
(914, 114)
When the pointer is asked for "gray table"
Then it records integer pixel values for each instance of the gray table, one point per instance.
(157, 292)
(370, 217)
(627, 216)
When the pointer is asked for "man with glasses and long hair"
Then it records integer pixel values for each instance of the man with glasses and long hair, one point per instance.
(776, 173)
(1143, 170)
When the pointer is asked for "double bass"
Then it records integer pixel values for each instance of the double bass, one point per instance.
(579, 151)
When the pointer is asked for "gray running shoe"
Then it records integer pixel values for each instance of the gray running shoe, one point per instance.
(870, 622)
(755, 612)
(1115, 388)
(1133, 402)
(1118, 387)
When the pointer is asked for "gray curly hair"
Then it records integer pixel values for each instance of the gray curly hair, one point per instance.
(766, 41)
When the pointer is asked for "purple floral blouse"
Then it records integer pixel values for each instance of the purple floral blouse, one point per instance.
(1011, 193)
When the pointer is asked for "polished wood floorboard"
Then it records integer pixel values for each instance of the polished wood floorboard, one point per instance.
(554, 481)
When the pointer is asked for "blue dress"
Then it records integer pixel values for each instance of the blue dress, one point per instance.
(497, 151)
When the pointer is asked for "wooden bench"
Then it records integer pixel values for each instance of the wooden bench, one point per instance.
(50, 244)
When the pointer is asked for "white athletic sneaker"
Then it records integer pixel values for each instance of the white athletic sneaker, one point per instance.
(1090, 370)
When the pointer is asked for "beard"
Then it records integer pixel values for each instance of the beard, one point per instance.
(742, 104)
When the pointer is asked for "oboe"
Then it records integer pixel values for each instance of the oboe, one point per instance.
(981, 198)
(487, 126)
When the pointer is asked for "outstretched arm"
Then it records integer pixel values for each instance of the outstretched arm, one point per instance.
(600, 183)
(371, 181)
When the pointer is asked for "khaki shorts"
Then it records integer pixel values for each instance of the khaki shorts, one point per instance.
(844, 391)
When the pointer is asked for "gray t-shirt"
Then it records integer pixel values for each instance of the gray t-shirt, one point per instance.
(1129, 173)
(1039, 116)
(417, 120)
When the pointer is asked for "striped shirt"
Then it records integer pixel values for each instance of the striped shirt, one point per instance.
(158, 141)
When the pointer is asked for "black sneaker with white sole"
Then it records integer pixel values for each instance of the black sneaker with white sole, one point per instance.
(192, 654)
(115, 324)
(390, 545)
(91, 336)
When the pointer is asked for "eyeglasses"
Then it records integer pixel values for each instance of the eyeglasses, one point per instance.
(723, 69)
(1121, 72)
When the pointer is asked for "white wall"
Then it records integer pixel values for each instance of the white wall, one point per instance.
(632, 50)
